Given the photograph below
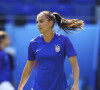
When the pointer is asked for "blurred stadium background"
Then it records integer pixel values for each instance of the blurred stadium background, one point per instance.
(18, 18)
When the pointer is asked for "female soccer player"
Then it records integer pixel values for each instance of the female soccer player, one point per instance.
(5, 83)
(50, 50)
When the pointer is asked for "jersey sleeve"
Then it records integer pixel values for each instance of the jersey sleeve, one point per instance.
(31, 55)
(69, 49)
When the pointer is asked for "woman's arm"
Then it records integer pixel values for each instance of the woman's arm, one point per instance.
(26, 73)
(75, 70)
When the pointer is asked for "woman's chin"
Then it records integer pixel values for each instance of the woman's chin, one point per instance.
(41, 31)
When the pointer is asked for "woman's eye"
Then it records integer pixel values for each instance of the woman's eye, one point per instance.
(41, 21)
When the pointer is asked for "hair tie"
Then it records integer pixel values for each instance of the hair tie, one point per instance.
(48, 17)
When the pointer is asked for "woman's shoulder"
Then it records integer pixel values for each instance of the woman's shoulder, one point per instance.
(3, 54)
(36, 39)
(61, 36)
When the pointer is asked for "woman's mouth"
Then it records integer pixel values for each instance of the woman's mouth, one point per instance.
(40, 28)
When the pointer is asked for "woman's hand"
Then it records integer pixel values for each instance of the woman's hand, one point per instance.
(75, 87)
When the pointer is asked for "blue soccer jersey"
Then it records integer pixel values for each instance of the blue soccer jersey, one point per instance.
(4, 66)
(50, 58)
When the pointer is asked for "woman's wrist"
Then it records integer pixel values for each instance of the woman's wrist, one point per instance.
(76, 84)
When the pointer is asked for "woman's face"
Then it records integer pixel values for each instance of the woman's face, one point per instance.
(6, 41)
(44, 25)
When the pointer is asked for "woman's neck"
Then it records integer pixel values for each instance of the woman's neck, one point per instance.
(48, 36)
(2, 46)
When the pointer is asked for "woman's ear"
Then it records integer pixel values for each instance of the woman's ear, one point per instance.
(51, 22)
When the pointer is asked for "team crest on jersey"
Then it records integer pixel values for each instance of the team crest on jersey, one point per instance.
(57, 48)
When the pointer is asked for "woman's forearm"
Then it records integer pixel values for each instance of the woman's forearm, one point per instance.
(26, 73)
(75, 71)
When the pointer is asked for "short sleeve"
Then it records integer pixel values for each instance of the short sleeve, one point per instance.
(31, 55)
(69, 49)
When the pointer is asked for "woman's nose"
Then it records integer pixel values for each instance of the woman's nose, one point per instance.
(38, 24)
